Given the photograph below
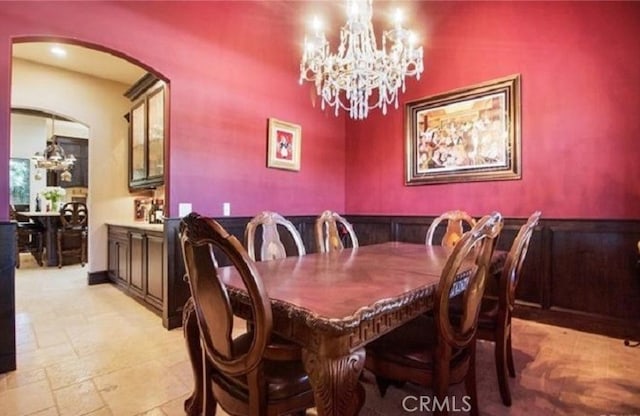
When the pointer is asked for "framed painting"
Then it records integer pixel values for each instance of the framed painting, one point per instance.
(19, 189)
(283, 145)
(469, 134)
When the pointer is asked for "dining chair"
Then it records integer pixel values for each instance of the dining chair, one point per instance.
(330, 229)
(436, 351)
(628, 341)
(456, 222)
(271, 247)
(29, 237)
(494, 322)
(72, 233)
(238, 371)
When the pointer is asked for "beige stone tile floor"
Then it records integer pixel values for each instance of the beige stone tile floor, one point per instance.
(91, 350)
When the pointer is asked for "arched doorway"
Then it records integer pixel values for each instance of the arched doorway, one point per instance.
(108, 192)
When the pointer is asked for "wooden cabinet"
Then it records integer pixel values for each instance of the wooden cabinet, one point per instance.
(118, 247)
(147, 126)
(79, 148)
(136, 263)
(155, 270)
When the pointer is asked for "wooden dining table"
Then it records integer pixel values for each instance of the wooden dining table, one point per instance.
(50, 220)
(333, 304)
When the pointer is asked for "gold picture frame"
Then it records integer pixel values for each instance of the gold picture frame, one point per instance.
(284, 145)
(469, 134)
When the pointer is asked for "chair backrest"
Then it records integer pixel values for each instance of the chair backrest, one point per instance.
(456, 221)
(515, 260)
(328, 236)
(198, 237)
(475, 249)
(74, 215)
(271, 247)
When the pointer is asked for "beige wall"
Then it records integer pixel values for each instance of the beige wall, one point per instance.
(100, 105)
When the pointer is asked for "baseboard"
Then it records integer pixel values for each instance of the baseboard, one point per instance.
(97, 278)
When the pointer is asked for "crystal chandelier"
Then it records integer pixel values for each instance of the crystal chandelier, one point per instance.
(54, 158)
(361, 77)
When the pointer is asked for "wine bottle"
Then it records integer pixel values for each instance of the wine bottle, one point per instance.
(152, 212)
(38, 203)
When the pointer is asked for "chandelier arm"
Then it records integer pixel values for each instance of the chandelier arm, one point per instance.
(349, 79)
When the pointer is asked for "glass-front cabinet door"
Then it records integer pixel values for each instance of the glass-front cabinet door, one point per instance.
(146, 139)
(156, 133)
(138, 171)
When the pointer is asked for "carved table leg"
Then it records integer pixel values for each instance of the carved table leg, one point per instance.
(193, 405)
(335, 382)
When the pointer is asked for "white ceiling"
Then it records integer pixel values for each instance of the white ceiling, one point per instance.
(80, 59)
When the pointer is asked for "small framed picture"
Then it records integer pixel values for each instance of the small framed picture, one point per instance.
(140, 206)
(283, 147)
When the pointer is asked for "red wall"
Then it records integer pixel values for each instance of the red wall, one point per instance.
(231, 65)
(580, 70)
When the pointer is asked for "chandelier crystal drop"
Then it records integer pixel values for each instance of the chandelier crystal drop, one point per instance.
(361, 77)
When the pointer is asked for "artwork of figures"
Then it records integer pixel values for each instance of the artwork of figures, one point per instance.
(463, 136)
(467, 135)
(284, 142)
(285, 145)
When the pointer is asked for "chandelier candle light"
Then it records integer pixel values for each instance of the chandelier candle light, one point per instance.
(54, 158)
(361, 77)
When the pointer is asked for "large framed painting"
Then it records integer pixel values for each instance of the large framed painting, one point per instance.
(469, 134)
(19, 189)
(284, 145)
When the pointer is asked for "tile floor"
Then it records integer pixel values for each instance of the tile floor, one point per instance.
(93, 351)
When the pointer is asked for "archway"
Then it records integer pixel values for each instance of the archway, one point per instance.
(109, 162)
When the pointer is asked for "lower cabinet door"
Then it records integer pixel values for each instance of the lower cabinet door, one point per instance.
(138, 260)
(155, 270)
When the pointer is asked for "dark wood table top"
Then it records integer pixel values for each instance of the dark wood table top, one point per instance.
(341, 288)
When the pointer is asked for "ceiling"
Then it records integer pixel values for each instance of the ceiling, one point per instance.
(80, 59)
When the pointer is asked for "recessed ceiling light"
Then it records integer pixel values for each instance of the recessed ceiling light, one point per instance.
(58, 51)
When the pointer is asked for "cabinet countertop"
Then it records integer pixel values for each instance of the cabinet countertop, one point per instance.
(139, 225)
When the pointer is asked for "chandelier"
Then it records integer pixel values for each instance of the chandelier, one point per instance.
(361, 77)
(54, 158)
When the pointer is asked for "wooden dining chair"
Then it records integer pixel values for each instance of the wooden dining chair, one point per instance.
(494, 322)
(29, 237)
(628, 341)
(456, 222)
(329, 230)
(239, 372)
(72, 233)
(436, 351)
(271, 247)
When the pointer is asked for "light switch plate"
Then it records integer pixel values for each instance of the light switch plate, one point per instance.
(226, 209)
(184, 209)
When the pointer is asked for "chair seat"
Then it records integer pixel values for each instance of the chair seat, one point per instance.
(284, 379)
(411, 346)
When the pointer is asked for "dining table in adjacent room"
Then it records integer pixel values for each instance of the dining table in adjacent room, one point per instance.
(50, 220)
(333, 304)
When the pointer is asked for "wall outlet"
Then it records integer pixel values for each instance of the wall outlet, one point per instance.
(226, 209)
